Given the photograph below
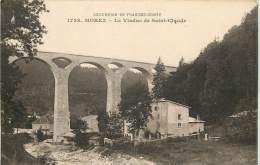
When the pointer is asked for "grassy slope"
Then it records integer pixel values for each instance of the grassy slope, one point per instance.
(198, 153)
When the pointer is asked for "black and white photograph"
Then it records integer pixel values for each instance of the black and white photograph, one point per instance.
(127, 82)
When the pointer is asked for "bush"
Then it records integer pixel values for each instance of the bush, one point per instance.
(103, 121)
(46, 160)
(81, 140)
(28, 122)
(78, 126)
(243, 128)
(12, 150)
(40, 135)
(115, 127)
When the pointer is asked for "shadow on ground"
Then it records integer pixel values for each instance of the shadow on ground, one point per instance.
(13, 153)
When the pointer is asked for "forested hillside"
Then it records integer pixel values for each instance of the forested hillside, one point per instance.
(223, 79)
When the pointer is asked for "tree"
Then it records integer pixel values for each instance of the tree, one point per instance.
(181, 62)
(115, 126)
(40, 135)
(11, 76)
(243, 128)
(78, 126)
(159, 79)
(223, 78)
(21, 33)
(103, 120)
(135, 107)
(245, 125)
(19, 116)
(28, 122)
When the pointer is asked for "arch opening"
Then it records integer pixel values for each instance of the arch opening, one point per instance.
(144, 72)
(87, 94)
(115, 65)
(36, 92)
(134, 79)
(62, 62)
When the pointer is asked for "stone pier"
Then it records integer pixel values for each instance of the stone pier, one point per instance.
(114, 89)
(61, 104)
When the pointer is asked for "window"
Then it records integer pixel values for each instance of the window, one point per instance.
(156, 108)
(179, 125)
(179, 116)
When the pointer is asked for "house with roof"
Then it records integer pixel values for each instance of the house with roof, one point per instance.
(196, 125)
(170, 118)
(92, 123)
(44, 123)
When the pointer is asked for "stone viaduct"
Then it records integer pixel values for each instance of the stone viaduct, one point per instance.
(62, 64)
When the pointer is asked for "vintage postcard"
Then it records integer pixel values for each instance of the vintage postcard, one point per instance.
(127, 82)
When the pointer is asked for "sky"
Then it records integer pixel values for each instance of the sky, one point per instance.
(144, 42)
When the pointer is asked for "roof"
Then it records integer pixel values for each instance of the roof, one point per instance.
(240, 114)
(89, 117)
(94, 137)
(69, 134)
(165, 100)
(194, 120)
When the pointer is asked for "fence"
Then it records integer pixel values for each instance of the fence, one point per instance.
(124, 142)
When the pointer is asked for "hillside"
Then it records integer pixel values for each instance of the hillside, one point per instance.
(223, 79)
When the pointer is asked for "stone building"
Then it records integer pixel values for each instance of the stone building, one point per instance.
(92, 123)
(44, 123)
(196, 125)
(172, 119)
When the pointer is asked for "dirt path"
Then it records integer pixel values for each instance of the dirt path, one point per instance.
(69, 155)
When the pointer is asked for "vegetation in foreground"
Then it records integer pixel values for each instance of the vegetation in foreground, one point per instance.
(172, 152)
(193, 152)
(13, 153)
(22, 32)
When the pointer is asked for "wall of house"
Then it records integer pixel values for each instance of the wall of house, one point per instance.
(196, 127)
(158, 121)
(43, 126)
(92, 123)
(176, 126)
(165, 119)
(172, 120)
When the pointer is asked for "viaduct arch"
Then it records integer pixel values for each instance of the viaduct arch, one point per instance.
(61, 65)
